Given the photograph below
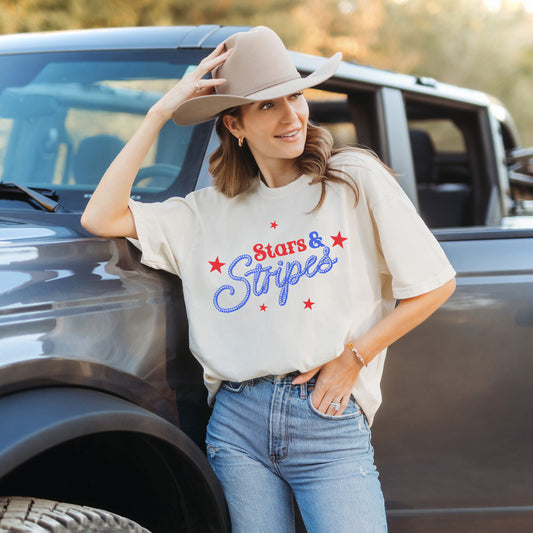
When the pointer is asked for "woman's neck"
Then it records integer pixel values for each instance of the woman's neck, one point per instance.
(280, 176)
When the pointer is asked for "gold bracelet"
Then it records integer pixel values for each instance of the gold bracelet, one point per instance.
(357, 355)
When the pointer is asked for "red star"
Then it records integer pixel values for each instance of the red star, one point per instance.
(309, 304)
(216, 265)
(338, 239)
(274, 224)
(263, 307)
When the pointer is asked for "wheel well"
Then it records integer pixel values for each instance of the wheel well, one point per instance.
(131, 474)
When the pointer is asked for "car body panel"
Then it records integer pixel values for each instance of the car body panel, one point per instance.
(454, 430)
(66, 295)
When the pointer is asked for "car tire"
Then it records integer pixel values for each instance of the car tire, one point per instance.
(22, 515)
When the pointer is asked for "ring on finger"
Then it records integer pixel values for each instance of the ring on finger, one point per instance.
(336, 406)
(197, 85)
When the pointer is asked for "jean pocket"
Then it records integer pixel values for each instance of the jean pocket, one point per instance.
(352, 410)
(234, 386)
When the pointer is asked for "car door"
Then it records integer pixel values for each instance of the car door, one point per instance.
(454, 435)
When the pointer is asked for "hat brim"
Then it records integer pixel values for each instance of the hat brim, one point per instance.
(203, 108)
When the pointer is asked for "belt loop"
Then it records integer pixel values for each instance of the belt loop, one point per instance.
(303, 391)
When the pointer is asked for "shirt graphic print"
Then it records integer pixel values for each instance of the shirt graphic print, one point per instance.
(273, 267)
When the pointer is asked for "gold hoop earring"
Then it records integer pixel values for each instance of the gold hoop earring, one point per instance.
(241, 141)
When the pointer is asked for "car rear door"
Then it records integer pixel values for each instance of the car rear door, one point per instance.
(454, 435)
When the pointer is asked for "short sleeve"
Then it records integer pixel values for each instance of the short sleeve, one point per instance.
(164, 230)
(414, 258)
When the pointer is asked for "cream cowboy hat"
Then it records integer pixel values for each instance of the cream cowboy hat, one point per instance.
(258, 69)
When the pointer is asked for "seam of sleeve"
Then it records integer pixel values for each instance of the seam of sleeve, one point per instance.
(149, 258)
(417, 289)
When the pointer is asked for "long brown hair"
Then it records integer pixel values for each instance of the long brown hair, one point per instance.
(234, 168)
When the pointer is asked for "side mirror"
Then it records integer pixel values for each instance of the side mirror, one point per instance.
(520, 165)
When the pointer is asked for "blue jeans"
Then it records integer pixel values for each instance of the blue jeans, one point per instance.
(266, 442)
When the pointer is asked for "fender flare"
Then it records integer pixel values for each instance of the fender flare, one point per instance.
(34, 421)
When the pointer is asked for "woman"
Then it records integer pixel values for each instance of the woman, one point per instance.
(291, 268)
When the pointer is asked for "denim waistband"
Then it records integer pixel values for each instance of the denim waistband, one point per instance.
(279, 378)
(283, 380)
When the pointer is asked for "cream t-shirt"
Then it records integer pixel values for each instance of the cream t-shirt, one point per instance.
(271, 288)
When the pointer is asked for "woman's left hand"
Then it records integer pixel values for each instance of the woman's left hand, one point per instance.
(334, 383)
(337, 377)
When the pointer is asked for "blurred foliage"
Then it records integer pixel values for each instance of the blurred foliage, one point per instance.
(456, 41)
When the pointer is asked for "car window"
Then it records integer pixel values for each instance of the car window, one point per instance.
(330, 109)
(444, 134)
(65, 116)
(5, 127)
(452, 170)
(351, 117)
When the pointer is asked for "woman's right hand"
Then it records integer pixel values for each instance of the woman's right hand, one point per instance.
(192, 84)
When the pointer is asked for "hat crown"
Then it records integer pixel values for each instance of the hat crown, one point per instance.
(259, 60)
(258, 69)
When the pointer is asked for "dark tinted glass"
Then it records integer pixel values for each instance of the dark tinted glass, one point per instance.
(65, 116)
